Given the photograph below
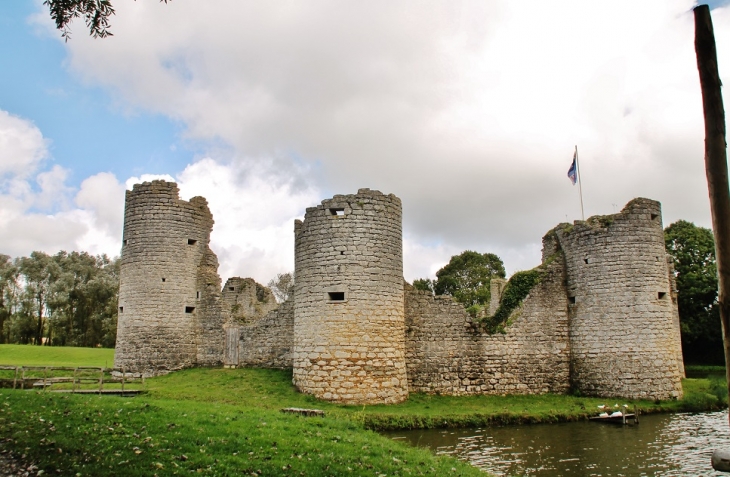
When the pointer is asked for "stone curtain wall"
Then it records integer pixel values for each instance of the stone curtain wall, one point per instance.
(244, 300)
(165, 255)
(447, 352)
(349, 342)
(268, 341)
(624, 334)
(209, 318)
(603, 319)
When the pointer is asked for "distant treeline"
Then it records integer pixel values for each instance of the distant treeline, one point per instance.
(66, 299)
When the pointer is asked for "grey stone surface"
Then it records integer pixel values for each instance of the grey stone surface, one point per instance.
(603, 319)
(624, 336)
(348, 300)
(169, 317)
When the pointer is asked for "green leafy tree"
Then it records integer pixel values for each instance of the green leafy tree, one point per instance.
(38, 272)
(423, 284)
(84, 300)
(467, 277)
(67, 299)
(693, 252)
(96, 15)
(8, 291)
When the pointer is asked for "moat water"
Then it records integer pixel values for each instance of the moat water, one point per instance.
(660, 445)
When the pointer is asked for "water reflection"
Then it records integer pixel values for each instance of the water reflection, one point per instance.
(661, 445)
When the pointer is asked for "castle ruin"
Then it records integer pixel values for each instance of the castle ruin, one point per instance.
(602, 319)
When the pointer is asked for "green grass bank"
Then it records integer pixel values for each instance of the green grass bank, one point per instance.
(28, 355)
(227, 422)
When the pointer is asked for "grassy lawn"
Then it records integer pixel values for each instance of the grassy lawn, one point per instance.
(227, 422)
(272, 389)
(28, 355)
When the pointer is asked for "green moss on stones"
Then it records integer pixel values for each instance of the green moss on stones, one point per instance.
(516, 290)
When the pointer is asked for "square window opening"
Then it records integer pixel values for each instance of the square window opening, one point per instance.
(342, 253)
(232, 288)
(163, 279)
(587, 260)
(336, 296)
(337, 211)
(125, 242)
(661, 295)
(121, 309)
(654, 216)
(189, 309)
(192, 241)
(571, 300)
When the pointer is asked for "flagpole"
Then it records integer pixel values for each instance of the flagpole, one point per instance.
(580, 183)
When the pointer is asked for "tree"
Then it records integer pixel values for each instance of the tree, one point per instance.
(96, 15)
(423, 284)
(467, 277)
(39, 272)
(693, 252)
(8, 287)
(282, 286)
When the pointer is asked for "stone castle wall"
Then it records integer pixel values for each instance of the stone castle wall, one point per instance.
(623, 334)
(268, 342)
(602, 320)
(449, 353)
(244, 301)
(167, 275)
(349, 341)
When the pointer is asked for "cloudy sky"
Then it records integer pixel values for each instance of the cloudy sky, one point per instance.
(468, 111)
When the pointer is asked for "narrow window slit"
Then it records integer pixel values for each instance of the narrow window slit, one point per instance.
(163, 279)
(587, 260)
(336, 296)
(571, 300)
(189, 309)
(661, 295)
(654, 216)
(125, 242)
(121, 309)
(232, 288)
(192, 241)
(197, 295)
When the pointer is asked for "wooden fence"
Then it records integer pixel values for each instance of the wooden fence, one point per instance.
(82, 379)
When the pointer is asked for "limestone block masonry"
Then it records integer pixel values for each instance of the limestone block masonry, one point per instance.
(624, 334)
(602, 319)
(349, 341)
(169, 317)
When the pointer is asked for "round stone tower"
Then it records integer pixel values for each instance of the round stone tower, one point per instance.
(624, 330)
(167, 278)
(349, 326)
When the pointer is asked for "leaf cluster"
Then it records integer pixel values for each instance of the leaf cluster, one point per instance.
(96, 15)
(467, 277)
(282, 286)
(518, 287)
(692, 249)
(63, 299)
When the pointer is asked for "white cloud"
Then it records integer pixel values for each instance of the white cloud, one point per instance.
(22, 147)
(35, 202)
(467, 110)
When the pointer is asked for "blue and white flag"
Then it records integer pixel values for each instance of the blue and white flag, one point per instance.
(573, 171)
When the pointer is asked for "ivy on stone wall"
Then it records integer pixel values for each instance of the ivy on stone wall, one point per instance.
(516, 290)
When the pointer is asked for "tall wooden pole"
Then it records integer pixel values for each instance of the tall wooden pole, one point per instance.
(715, 163)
